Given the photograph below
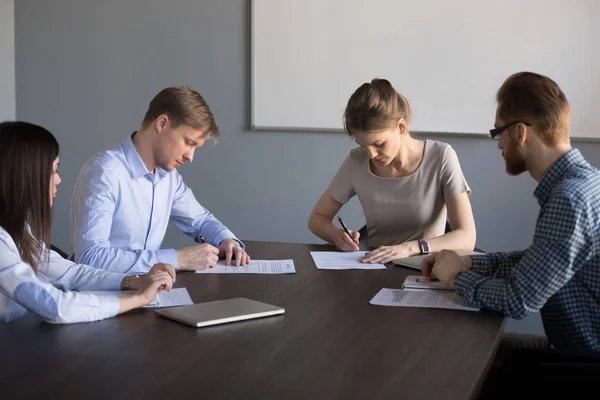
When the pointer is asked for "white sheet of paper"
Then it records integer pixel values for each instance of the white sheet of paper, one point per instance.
(176, 297)
(255, 267)
(342, 260)
(418, 282)
(420, 298)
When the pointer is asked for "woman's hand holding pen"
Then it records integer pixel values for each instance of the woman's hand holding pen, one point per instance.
(345, 239)
(345, 242)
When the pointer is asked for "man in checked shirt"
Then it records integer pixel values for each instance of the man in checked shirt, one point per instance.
(559, 274)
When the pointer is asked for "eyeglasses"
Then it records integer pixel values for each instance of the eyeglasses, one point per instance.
(495, 133)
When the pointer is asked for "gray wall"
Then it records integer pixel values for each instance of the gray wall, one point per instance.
(7, 61)
(87, 70)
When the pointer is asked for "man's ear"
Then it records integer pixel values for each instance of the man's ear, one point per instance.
(161, 123)
(522, 132)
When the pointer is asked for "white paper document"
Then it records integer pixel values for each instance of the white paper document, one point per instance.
(176, 297)
(255, 267)
(417, 282)
(421, 299)
(342, 260)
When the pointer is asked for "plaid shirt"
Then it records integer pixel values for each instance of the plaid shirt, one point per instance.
(559, 274)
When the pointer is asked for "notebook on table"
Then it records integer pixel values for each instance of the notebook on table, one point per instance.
(220, 312)
(415, 261)
(418, 282)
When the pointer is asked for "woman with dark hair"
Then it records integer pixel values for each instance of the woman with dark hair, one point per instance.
(34, 278)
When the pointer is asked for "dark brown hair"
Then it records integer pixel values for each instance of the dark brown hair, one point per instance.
(27, 153)
(538, 100)
(183, 106)
(374, 107)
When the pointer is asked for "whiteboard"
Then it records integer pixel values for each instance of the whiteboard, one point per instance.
(447, 57)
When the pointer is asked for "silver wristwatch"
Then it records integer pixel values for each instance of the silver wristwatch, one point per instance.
(126, 282)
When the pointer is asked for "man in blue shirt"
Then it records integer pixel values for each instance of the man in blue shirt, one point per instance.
(559, 274)
(125, 197)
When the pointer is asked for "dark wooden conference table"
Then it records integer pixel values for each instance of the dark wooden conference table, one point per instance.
(330, 344)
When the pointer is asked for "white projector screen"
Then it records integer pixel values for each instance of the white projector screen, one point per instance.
(447, 57)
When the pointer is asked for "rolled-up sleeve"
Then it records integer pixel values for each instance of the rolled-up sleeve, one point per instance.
(561, 246)
(498, 264)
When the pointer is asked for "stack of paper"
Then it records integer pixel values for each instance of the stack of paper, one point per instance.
(421, 299)
(417, 282)
(255, 267)
(176, 297)
(342, 260)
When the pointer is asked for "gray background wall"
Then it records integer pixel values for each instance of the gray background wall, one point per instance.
(7, 61)
(87, 69)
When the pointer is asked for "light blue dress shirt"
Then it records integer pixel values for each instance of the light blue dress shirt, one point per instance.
(52, 293)
(120, 212)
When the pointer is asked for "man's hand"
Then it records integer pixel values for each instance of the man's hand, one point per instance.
(197, 257)
(445, 266)
(229, 248)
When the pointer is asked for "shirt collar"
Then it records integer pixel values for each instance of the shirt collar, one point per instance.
(136, 165)
(555, 174)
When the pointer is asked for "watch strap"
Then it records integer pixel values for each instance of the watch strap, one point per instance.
(126, 282)
(424, 245)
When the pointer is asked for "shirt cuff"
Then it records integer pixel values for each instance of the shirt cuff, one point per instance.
(112, 281)
(167, 256)
(111, 305)
(464, 281)
(482, 264)
(242, 245)
(219, 239)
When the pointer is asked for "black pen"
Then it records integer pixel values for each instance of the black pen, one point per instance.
(344, 226)
(202, 239)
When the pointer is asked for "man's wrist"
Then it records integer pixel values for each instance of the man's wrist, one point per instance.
(234, 240)
(224, 240)
(455, 278)
(180, 264)
(468, 262)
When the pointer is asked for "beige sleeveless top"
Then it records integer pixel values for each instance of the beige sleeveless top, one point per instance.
(404, 208)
